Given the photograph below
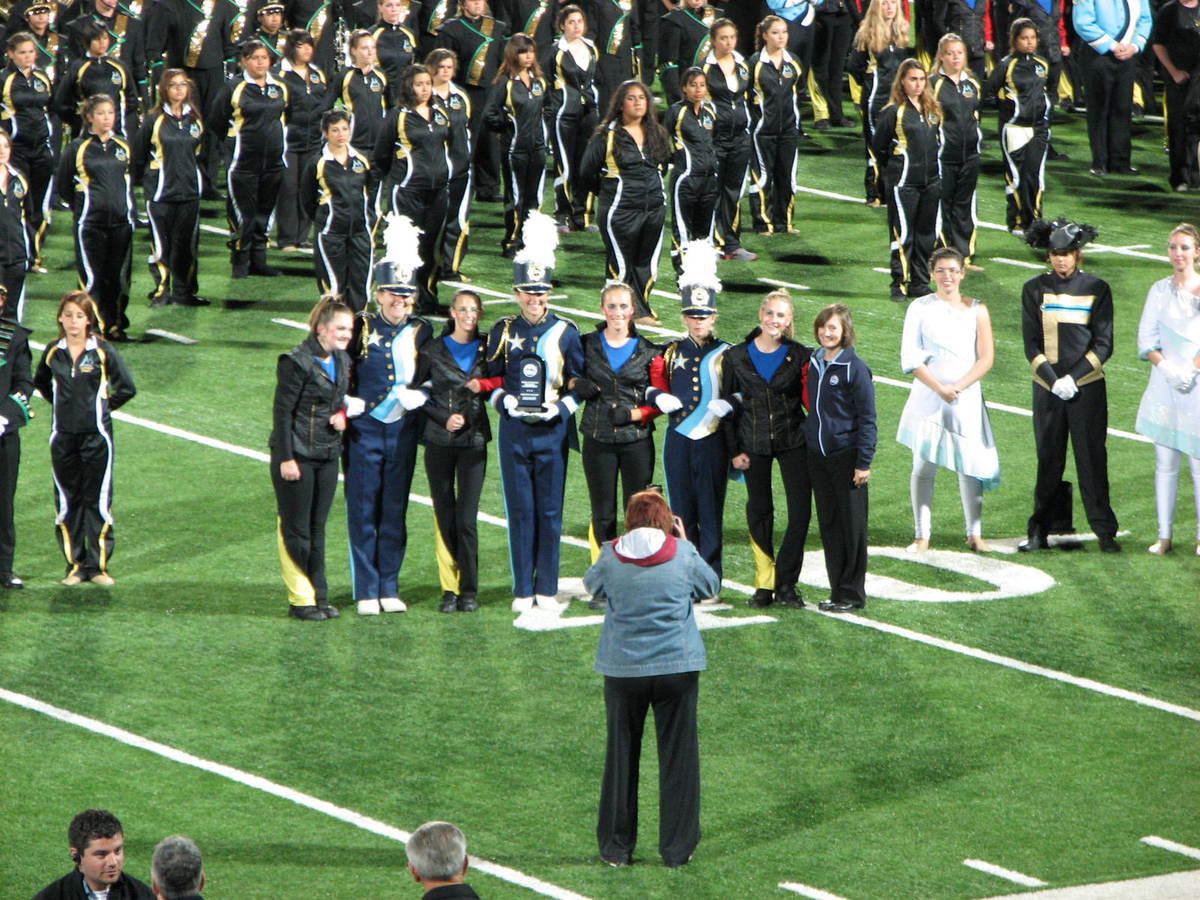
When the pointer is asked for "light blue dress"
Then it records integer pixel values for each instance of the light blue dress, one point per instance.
(1170, 324)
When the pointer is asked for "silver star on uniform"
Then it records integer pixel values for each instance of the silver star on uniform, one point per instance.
(516, 343)
(680, 363)
(374, 338)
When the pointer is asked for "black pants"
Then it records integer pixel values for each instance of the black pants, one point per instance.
(12, 276)
(455, 482)
(800, 43)
(627, 700)
(103, 257)
(1024, 177)
(913, 218)
(10, 464)
(1181, 152)
(831, 43)
(569, 137)
(842, 511)
(1084, 419)
(873, 185)
(632, 232)
(427, 209)
(773, 181)
(39, 168)
(208, 84)
(602, 463)
(303, 508)
(253, 187)
(1109, 84)
(959, 180)
(693, 201)
(291, 221)
(457, 227)
(486, 166)
(733, 160)
(342, 264)
(175, 246)
(83, 467)
(771, 572)
(524, 176)
(697, 477)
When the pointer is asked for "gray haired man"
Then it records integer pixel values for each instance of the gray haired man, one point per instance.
(437, 857)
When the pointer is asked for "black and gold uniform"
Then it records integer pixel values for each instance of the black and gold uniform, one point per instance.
(616, 27)
(532, 17)
(874, 73)
(16, 387)
(273, 41)
(49, 48)
(306, 102)
(457, 107)
(571, 114)
(833, 35)
(1067, 326)
(337, 198)
(430, 17)
(396, 49)
(694, 184)
(97, 75)
(683, 42)
(254, 115)
(479, 45)
(365, 96)
(961, 140)
(83, 393)
(16, 246)
(516, 110)
(24, 114)
(166, 161)
(1019, 83)
(907, 145)
(731, 138)
(631, 209)
(128, 33)
(94, 180)
(318, 18)
(775, 133)
(969, 20)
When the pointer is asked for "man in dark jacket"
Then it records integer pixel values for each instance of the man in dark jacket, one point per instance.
(437, 858)
(97, 843)
(177, 870)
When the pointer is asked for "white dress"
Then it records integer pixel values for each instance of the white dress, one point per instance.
(1170, 324)
(955, 435)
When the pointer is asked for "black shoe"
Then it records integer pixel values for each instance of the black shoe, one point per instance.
(312, 613)
(509, 252)
(11, 582)
(157, 302)
(1098, 171)
(839, 606)
(1054, 156)
(467, 603)
(1108, 544)
(843, 122)
(264, 271)
(449, 602)
(789, 597)
(331, 612)
(117, 336)
(1035, 541)
(761, 600)
(821, 125)
(1127, 170)
(898, 295)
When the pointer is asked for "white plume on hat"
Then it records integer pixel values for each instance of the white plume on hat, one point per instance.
(402, 243)
(699, 266)
(540, 238)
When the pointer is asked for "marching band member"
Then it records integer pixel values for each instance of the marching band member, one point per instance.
(694, 184)
(880, 45)
(774, 128)
(457, 106)
(571, 113)
(16, 387)
(728, 86)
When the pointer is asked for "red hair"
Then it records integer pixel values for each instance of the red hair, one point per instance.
(648, 509)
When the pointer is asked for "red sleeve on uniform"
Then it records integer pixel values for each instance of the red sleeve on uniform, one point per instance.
(658, 374)
(804, 386)
(487, 385)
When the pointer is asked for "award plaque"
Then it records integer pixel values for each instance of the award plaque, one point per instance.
(531, 383)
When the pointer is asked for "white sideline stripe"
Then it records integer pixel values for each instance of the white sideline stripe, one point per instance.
(1001, 872)
(1163, 844)
(1018, 262)
(170, 336)
(785, 284)
(290, 323)
(881, 270)
(349, 816)
(479, 290)
(805, 891)
(665, 294)
(215, 230)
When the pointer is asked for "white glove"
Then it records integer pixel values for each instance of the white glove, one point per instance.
(411, 399)
(668, 403)
(509, 402)
(1180, 376)
(720, 408)
(1065, 388)
(355, 406)
(3, 424)
(548, 413)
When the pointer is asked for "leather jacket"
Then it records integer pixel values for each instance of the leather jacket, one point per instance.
(305, 399)
(768, 417)
(440, 375)
(625, 388)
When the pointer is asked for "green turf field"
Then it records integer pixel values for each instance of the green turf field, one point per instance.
(1046, 731)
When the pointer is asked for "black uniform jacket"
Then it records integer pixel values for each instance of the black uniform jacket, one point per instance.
(961, 136)
(532, 17)
(395, 48)
(623, 389)
(365, 96)
(97, 75)
(614, 26)
(24, 100)
(412, 152)
(439, 374)
(70, 887)
(768, 416)
(337, 196)
(16, 205)
(1067, 324)
(733, 112)
(72, 387)
(876, 72)
(254, 114)
(305, 399)
(683, 42)
(518, 110)
(692, 139)
(16, 374)
(478, 44)
(306, 103)
(908, 145)
(1019, 83)
(964, 18)
(572, 87)
(613, 159)
(166, 156)
(93, 179)
(774, 106)
(457, 107)
(128, 35)
(181, 34)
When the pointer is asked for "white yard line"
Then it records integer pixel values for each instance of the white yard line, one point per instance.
(1163, 844)
(1001, 872)
(1176, 886)
(1024, 264)
(785, 284)
(170, 336)
(811, 892)
(258, 783)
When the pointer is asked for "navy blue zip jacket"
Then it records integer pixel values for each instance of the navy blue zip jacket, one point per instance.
(841, 402)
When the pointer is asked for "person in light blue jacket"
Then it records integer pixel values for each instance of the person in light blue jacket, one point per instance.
(650, 655)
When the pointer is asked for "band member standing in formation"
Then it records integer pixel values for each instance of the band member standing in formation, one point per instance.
(252, 110)
(94, 180)
(627, 155)
(685, 43)
(166, 162)
(694, 185)
(617, 427)
(571, 113)
(908, 146)
(456, 106)
(335, 193)
(16, 387)
(456, 435)
(318, 19)
(880, 45)
(384, 425)
(362, 90)
(832, 36)
(395, 34)
(728, 86)
(307, 92)
(97, 73)
(16, 248)
(617, 30)
(306, 444)
(763, 386)
(85, 380)
(270, 29)
(775, 128)
(958, 93)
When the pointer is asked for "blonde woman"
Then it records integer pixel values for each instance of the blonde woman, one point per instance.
(880, 45)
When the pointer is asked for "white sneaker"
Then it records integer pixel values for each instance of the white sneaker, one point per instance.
(522, 604)
(392, 604)
(368, 607)
(550, 604)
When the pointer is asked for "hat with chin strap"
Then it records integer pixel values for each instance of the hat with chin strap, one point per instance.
(397, 271)
(1059, 236)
